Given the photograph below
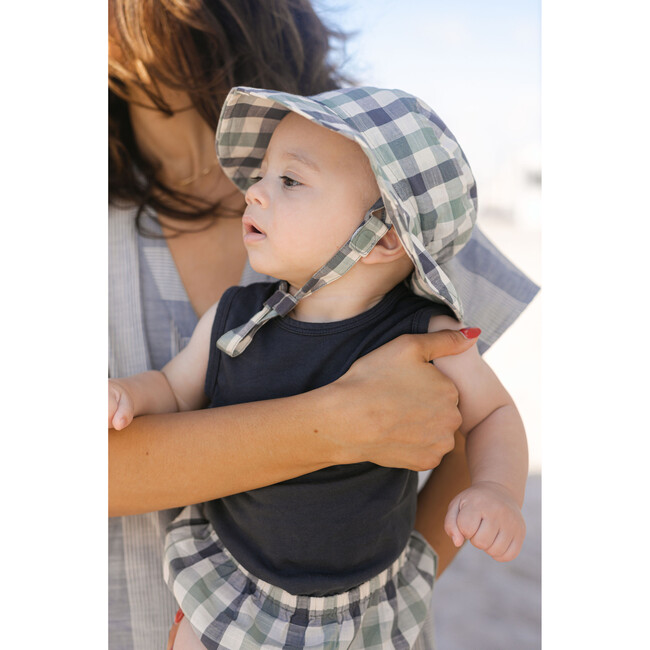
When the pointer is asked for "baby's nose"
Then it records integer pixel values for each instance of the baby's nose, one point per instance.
(255, 194)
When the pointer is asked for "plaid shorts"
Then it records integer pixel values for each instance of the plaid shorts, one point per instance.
(229, 608)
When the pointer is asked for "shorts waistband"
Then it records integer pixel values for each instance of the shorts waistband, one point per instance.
(319, 604)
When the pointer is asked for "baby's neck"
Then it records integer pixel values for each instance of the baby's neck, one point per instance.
(339, 301)
(324, 309)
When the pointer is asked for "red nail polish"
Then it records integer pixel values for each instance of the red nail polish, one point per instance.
(179, 616)
(470, 332)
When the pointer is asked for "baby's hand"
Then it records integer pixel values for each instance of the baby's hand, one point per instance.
(488, 516)
(120, 406)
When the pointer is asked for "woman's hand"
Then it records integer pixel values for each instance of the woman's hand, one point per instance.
(183, 635)
(396, 409)
(174, 630)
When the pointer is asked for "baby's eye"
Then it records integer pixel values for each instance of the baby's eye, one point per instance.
(255, 179)
(287, 181)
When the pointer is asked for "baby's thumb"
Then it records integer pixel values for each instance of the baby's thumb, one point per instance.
(122, 418)
(120, 409)
(451, 527)
(113, 401)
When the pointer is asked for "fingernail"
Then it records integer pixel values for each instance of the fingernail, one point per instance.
(470, 332)
(179, 616)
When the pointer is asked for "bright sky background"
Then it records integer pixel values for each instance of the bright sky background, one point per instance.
(478, 64)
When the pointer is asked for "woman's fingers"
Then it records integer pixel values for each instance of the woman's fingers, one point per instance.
(174, 630)
(444, 343)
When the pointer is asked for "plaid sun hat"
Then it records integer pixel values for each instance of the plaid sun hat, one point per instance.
(427, 186)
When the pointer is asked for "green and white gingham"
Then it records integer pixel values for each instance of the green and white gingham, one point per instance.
(230, 609)
(425, 180)
(363, 240)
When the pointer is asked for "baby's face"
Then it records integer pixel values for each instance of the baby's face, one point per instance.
(314, 189)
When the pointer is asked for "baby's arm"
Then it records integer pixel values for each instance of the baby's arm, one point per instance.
(489, 512)
(177, 387)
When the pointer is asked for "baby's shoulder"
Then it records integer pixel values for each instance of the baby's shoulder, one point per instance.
(443, 322)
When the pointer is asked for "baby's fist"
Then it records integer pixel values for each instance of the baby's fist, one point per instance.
(489, 517)
(120, 406)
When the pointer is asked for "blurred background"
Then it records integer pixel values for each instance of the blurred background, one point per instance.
(478, 65)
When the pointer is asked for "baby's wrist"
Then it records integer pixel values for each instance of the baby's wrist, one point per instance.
(500, 488)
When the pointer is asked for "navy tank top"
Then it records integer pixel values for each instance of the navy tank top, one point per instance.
(331, 530)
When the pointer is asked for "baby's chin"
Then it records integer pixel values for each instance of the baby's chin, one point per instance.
(258, 265)
(277, 273)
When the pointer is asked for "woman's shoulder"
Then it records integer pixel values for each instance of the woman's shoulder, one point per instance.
(122, 233)
(121, 211)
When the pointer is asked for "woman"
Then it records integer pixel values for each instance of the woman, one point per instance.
(175, 246)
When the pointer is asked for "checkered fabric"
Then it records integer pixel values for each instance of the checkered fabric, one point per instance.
(230, 609)
(425, 180)
(363, 240)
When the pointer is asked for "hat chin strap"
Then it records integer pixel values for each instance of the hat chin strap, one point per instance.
(362, 241)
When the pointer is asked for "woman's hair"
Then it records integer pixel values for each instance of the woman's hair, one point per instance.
(205, 47)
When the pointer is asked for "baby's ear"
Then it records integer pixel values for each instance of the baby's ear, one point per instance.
(388, 249)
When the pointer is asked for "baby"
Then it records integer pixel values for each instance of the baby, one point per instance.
(353, 198)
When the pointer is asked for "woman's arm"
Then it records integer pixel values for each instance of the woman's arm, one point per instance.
(447, 480)
(392, 408)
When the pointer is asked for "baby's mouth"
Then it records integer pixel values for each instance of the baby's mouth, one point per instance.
(250, 227)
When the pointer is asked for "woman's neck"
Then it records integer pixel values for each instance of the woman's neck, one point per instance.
(180, 145)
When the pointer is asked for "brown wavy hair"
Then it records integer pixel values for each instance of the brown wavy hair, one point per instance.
(205, 47)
